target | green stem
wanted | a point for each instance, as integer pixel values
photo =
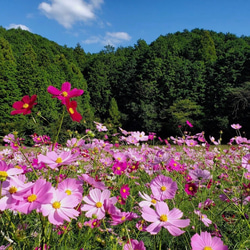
(59, 129)
(26, 158)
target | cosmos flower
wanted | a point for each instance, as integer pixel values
(203, 218)
(32, 197)
(65, 92)
(191, 188)
(124, 191)
(71, 108)
(189, 124)
(24, 106)
(163, 187)
(60, 208)
(54, 160)
(134, 244)
(206, 241)
(236, 126)
(95, 201)
(163, 217)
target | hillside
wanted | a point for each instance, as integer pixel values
(199, 75)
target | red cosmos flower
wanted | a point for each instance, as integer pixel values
(24, 106)
(65, 92)
(71, 107)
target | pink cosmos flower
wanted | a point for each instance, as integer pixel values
(134, 244)
(236, 126)
(206, 241)
(189, 124)
(54, 160)
(91, 181)
(95, 201)
(163, 217)
(124, 191)
(163, 187)
(246, 162)
(191, 143)
(72, 188)
(8, 171)
(61, 207)
(139, 136)
(199, 175)
(33, 196)
(120, 217)
(9, 188)
(65, 92)
(203, 218)
(100, 127)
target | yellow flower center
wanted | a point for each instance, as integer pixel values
(163, 188)
(123, 218)
(71, 111)
(68, 192)
(12, 190)
(59, 160)
(98, 204)
(248, 189)
(32, 198)
(190, 189)
(25, 105)
(56, 204)
(64, 94)
(124, 190)
(153, 201)
(17, 166)
(3, 175)
(118, 168)
(163, 218)
(207, 248)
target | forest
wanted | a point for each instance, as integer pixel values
(198, 75)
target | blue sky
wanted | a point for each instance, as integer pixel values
(96, 23)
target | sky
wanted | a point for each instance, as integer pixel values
(121, 23)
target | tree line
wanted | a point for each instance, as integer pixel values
(198, 75)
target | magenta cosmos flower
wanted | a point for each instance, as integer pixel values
(163, 217)
(163, 187)
(95, 201)
(24, 106)
(205, 241)
(60, 208)
(124, 191)
(65, 92)
(54, 160)
(191, 188)
(134, 244)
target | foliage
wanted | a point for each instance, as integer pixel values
(144, 80)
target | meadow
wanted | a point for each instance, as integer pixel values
(139, 192)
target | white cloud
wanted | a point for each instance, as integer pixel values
(67, 12)
(16, 26)
(111, 38)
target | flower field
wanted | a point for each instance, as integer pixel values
(186, 192)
